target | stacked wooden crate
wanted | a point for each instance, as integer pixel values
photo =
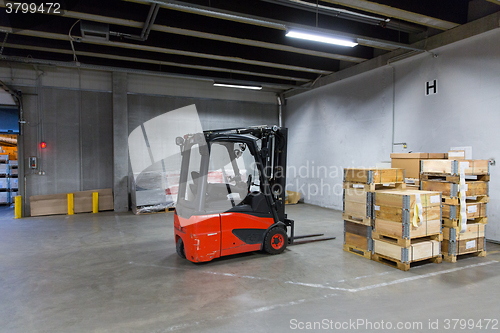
(359, 188)
(411, 163)
(407, 227)
(464, 221)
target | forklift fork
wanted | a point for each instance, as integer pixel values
(292, 238)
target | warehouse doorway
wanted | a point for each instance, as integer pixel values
(9, 163)
(9, 173)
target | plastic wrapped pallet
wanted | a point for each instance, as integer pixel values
(4, 198)
(5, 184)
(149, 192)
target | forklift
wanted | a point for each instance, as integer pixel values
(231, 196)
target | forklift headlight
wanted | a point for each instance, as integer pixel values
(179, 141)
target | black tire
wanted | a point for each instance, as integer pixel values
(179, 247)
(276, 241)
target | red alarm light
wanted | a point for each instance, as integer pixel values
(43, 145)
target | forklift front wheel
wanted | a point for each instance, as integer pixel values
(276, 241)
(179, 247)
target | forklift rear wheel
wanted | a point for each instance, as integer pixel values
(179, 247)
(276, 240)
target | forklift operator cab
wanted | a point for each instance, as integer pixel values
(231, 193)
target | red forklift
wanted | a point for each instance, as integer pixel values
(231, 196)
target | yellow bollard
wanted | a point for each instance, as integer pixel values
(95, 202)
(17, 209)
(70, 204)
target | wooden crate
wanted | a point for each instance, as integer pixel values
(374, 175)
(474, 230)
(450, 190)
(357, 204)
(456, 243)
(452, 167)
(358, 239)
(453, 250)
(394, 212)
(401, 257)
(412, 183)
(410, 162)
(456, 222)
(454, 179)
(474, 210)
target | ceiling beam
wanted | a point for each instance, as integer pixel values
(49, 35)
(204, 35)
(376, 8)
(150, 61)
(74, 65)
(258, 21)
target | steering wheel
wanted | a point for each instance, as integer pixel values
(249, 183)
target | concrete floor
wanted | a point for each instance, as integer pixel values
(120, 273)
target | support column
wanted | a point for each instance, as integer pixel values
(120, 142)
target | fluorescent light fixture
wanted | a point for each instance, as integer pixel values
(237, 86)
(320, 38)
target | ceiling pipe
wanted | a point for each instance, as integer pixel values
(349, 15)
(54, 63)
(146, 29)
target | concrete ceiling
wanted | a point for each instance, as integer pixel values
(225, 40)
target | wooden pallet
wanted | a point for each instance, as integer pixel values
(374, 175)
(456, 201)
(356, 219)
(357, 251)
(452, 179)
(454, 258)
(450, 190)
(404, 266)
(456, 222)
(375, 187)
(403, 242)
(166, 210)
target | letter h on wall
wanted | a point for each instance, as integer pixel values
(431, 87)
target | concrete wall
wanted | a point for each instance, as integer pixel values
(349, 123)
(72, 111)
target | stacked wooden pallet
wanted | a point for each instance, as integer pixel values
(407, 227)
(465, 188)
(359, 188)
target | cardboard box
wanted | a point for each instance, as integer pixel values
(293, 197)
(410, 162)
(56, 204)
(83, 201)
(52, 204)
(456, 155)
